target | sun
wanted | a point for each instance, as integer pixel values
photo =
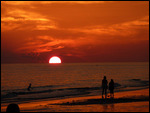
(54, 59)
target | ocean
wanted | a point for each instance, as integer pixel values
(55, 81)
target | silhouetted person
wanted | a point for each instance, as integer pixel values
(104, 87)
(111, 88)
(29, 87)
(13, 108)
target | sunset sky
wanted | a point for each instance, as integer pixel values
(76, 31)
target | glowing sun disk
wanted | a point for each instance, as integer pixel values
(54, 59)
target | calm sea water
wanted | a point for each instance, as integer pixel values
(70, 79)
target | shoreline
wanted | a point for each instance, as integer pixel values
(57, 105)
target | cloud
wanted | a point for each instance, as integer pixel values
(72, 28)
(51, 2)
(24, 20)
(41, 44)
(122, 29)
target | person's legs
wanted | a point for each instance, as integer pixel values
(105, 93)
(102, 92)
(112, 93)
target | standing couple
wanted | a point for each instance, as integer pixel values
(105, 87)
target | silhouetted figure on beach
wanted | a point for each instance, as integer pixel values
(111, 88)
(29, 87)
(104, 87)
(13, 108)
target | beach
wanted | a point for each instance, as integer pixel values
(75, 87)
(138, 101)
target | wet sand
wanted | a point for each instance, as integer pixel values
(127, 101)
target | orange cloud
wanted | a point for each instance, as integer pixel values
(52, 2)
(73, 28)
(24, 20)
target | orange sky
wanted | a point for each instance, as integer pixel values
(76, 31)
